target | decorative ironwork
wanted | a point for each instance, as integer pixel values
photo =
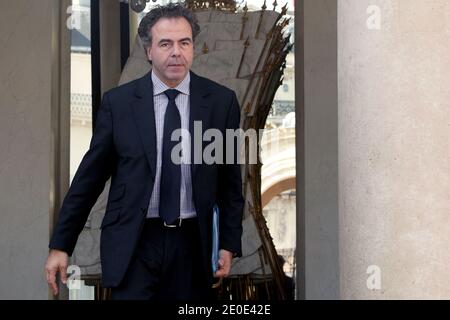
(263, 9)
(244, 20)
(205, 48)
(224, 5)
(138, 5)
(246, 44)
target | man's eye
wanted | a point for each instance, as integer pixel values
(164, 45)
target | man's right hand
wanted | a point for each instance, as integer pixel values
(57, 261)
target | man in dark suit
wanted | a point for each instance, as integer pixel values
(156, 237)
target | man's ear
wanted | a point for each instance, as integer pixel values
(149, 53)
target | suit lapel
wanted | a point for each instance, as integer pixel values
(199, 111)
(144, 116)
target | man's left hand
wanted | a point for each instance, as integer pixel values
(224, 267)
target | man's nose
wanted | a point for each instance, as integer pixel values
(176, 50)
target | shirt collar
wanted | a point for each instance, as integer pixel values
(159, 86)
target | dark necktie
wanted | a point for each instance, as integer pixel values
(169, 199)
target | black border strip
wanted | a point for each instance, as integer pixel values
(124, 34)
(95, 59)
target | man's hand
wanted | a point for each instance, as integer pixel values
(57, 261)
(224, 264)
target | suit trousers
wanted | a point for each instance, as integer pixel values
(166, 265)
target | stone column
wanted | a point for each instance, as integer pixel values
(34, 128)
(394, 149)
(317, 153)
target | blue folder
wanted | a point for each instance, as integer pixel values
(215, 239)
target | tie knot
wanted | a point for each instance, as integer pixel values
(171, 94)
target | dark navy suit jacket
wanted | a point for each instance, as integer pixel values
(123, 147)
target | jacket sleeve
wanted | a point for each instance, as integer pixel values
(89, 181)
(229, 197)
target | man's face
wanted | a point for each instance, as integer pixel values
(171, 50)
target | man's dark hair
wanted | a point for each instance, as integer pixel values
(171, 10)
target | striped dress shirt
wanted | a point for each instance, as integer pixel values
(160, 100)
